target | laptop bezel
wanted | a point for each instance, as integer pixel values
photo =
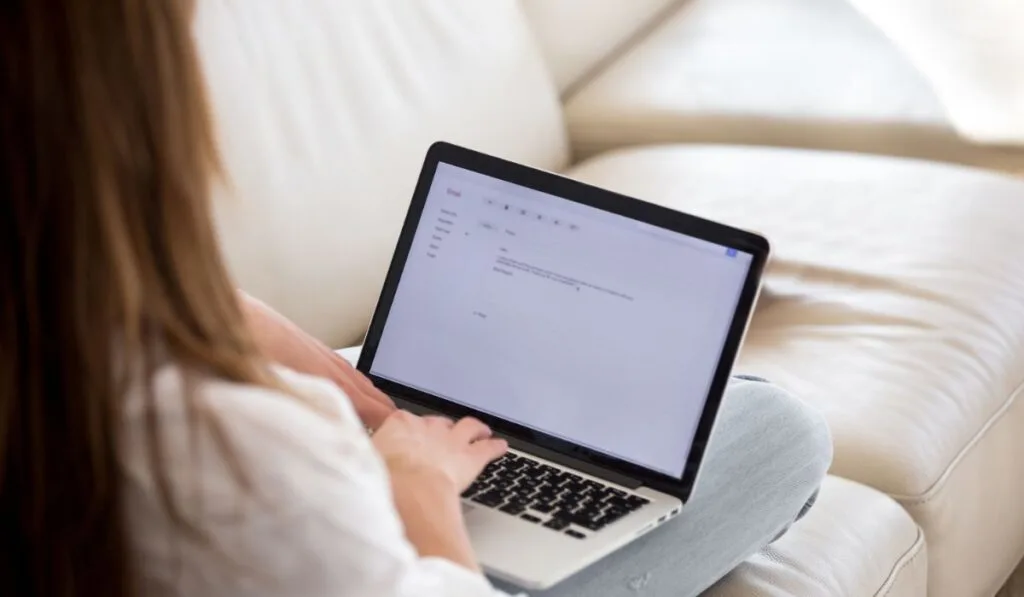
(554, 448)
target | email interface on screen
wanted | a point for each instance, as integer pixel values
(586, 325)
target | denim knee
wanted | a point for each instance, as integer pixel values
(801, 441)
(798, 429)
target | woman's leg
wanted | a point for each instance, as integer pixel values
(766, 458)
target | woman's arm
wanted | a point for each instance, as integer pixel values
(431, 461)
(285, 343)
(431, 511)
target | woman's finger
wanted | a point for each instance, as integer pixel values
(488, 450)
(372, 413)
(364, 382)
(358, 379)
(438, 421)
(372, 407)
(470, 430)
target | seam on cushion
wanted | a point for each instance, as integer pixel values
(940, 483)
(901, 564)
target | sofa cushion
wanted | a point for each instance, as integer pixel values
(325, 109)
(895, 304)
(790, 73)
(854, 542)
(578, 35)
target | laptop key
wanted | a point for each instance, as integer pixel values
(590, 525)
(586, 517)
(490, 499)
(613, 514)
(530, 518)
(513, 508)
(585, 512)
(621, 504)
(518, 465)
(563, 513)
(542, 508)
(635, 502)
(575, 534)
(547, 500)
(618, 502)
(468, 495)
(557, 524)
(529, 497)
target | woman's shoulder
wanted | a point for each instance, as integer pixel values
(301, 399)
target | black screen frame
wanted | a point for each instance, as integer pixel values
(755, 245)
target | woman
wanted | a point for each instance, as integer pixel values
(147, 444)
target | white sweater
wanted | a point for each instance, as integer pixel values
(321, 521)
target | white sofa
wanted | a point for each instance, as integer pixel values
(895, 303)
(789, 73)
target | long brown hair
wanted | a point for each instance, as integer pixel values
(106, 248)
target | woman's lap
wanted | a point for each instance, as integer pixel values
(766, 458)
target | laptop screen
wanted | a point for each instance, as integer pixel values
(583, 324)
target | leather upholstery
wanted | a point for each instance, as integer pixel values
(854, 542)
(790, 73)
(325, 109)
(577, 36)
(893, 304)
(1015, 586)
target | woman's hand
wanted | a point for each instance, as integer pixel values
(431, 461)
(284, 342)
(435, 447)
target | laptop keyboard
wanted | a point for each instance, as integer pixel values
(551, 497)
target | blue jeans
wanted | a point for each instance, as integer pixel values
(767, 456)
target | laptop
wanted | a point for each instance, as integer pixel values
(594, 331)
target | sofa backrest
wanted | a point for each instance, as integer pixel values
(577, 36)
(324, 109)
